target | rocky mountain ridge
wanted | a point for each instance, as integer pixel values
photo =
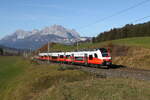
(36, 38)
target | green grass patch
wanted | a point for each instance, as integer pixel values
(136, 42)
(10, 68)
(143, 42)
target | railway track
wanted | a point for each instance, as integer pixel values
(120, 72)
(115, 71)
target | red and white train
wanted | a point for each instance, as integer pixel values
(99, 57)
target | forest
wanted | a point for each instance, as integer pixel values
(129, 30)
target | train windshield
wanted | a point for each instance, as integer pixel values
(104, 52)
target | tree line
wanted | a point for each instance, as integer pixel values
(129, 30)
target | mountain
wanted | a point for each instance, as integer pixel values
(34, 39)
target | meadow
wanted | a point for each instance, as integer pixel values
(21, 79)
(143, 42)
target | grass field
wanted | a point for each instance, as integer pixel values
(21, 80)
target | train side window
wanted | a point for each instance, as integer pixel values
(95, 55)
(90, 57)
(67, 56)
(79, 58)
(54, 57)
(61, 56)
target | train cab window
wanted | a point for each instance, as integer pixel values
(105, 54)
(90, 57)
(96, 56)
(61, 56)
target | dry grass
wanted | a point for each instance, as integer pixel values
(134, 57)
(98, 89)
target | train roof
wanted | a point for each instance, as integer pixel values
(75, 52)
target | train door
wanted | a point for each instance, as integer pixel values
(90, 58)
(72, 58)
(86, 58)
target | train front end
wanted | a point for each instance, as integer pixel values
(106, 57)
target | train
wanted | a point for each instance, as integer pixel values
(99, 57)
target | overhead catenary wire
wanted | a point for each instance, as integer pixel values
(116, 14)
(140, 19)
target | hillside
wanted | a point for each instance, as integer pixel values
(23, 80)
(131, 52)
(142, 42)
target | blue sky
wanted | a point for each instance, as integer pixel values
(80, 15)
